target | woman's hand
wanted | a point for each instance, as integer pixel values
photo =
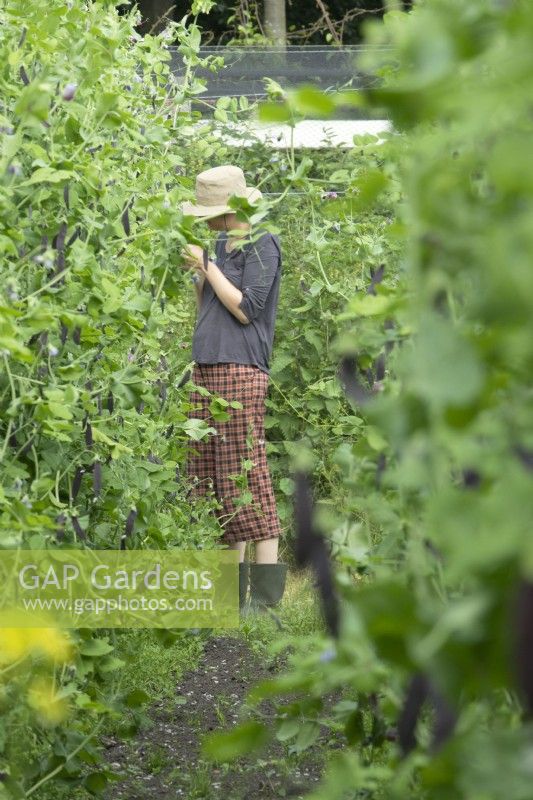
(194, 257)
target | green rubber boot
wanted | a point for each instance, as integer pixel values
(267, 585)
(244, 577)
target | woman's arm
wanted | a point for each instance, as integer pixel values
(227, 293)
(260, 270)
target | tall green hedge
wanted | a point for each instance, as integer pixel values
(94, 323)
(93, 425)
(434, 641)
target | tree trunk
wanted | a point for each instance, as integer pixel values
(275, 21)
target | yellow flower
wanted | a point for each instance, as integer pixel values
(13, 645)
(51, 642)
(16, 643)
(43, 698)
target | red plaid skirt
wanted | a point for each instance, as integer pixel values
(233, 461)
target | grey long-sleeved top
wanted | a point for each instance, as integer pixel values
(219, 337)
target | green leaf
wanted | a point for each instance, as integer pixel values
(368, 305)
(96, 648)
(48, 175)
(315, 339)
(96, 782)
(197, 429)
(354, 728)
(281, 362)
(202, 6)
(59, 411)
(110, 664)
(16, 348)
(286, 485)
(310, 100)
(106, 102)
(274, 112)
(236, 743)
(217, 408)
(375, 439)
(302, 169)
(220, 114)
(103, 438)
(443, 366)
(136, 698)
(307, 735)
(288, 729)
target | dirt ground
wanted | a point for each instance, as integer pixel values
(163, 761)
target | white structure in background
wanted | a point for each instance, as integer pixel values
(308, 133)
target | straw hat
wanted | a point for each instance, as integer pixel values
(214, 187)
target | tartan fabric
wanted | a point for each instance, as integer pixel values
(211, 462)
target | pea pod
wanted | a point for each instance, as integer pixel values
(128, 530)
(525, 455)
(523, 643)
(380, 469)
(380, 367)
(77, 527)
(376, 276)
(88, 434)
(415, 698)
(27, 447)
(74, 236)
(187, 375)
(311, 549)
(419, 692)
(354, 389)
(126, 220)
(76, 483)
(59, 244)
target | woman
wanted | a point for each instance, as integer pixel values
(232, 343)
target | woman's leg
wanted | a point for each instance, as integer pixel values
(241, 547)
(266, 551)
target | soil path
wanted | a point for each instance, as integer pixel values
(164, 762)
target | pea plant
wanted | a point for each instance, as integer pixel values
(428, 598)
(93, 420)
